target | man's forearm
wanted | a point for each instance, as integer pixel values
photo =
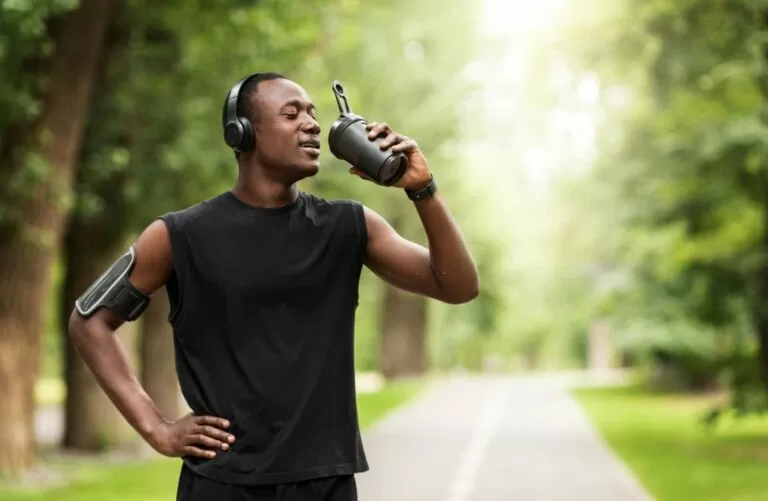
(102, 351)
(452, 264)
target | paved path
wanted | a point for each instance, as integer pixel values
(493, 439)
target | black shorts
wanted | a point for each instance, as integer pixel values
(193, 487)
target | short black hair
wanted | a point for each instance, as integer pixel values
(245, 103)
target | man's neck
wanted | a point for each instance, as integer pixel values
(258, 190)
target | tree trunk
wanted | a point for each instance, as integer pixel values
(92, 243)
(600, 346)
(403, 334)
(92, 422)
(760, 313)
(158, 368)
(30, 242)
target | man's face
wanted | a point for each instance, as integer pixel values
(287, 133)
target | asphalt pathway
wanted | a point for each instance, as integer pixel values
(494, 439)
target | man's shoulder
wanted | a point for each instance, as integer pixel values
(332, 203)
(348, 210)
(186, 215)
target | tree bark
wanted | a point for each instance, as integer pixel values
(403, 334)
(30, 242)
(158, 368)
(92, 243)
(760, 313)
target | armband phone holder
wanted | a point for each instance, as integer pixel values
(113, 291)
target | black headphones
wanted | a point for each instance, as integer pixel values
(238, 131)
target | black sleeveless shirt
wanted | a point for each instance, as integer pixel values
(263, 306)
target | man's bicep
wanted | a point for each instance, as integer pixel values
(385, 246)
(123, 290)
(153, 258)
(397, 260)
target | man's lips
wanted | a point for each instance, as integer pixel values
(312, 143)
(312, 147)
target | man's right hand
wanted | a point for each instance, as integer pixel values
(188, 436)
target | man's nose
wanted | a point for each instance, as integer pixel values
(312, 126)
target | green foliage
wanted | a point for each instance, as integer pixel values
(748, 398)
(681, 169)
(658, 224)
(157, 125)
(24, 45)
(23, 39)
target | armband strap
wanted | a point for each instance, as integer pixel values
(113, 290)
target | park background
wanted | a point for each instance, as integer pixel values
(607, 162)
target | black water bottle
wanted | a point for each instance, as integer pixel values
(348, 140)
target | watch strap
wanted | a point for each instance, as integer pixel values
(424, 192)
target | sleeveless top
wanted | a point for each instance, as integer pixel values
(263, 304)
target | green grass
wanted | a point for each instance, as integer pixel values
(374, 406)
(151, 480)
(661, 439)
(155, 480)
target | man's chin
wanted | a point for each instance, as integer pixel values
(305, 170)
(310, 169)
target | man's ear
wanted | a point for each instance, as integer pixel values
(255, 130)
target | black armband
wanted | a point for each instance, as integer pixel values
(113, 291)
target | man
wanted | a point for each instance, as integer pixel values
(263, 286)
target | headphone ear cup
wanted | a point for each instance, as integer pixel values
(233, 134)
(247, 138)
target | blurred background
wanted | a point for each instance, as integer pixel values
(606, 161)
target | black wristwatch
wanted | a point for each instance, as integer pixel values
(423, 193)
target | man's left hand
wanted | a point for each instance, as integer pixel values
(417, 175)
